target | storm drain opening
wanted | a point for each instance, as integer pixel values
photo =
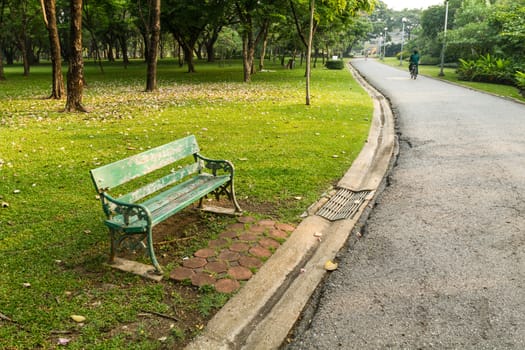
(344, 204)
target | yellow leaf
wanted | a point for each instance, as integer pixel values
(78, 318)
(330, 266)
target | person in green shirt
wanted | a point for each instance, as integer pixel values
(414, 61)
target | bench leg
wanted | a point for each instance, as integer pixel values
(113, 245)
(228, 191)
(151, 252)
(115, 242)
(234, 199)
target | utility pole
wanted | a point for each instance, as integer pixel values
(441, 74)
(404, 20)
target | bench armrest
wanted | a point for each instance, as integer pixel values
(216, 164)
(113, 207)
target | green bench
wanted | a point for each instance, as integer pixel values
(185, 178)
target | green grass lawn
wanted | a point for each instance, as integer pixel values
(451, 76)
(53, 244)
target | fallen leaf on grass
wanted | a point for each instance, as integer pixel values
(63, 341)
(78, 318)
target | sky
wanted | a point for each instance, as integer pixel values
(411, 4)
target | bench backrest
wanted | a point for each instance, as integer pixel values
(125, 170)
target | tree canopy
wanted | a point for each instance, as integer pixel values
(148, 29)
(118, 29)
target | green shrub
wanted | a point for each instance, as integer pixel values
(486, 69)
(466, 70)
(406, 55)
(520, 82)
(429, 60)
(335, 64)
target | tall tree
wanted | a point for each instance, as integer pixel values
(191, 20)
(254, 18)
(222, 14)
(75, 74)
(471, 34)
(324, 12)
(49, 13)
(432, 25)
(108, 23)
(186, 21)
(154, 39)
(22, 16)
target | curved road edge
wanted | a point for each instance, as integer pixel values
(264, 311)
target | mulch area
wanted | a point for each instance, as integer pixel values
(234, 256)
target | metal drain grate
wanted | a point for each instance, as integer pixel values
(343, 205)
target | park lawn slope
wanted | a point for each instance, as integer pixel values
(53, 242)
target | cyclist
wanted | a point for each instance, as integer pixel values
(414, 62)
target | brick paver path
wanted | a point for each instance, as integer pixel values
(235, 256)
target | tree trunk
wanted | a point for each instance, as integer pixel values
(2, 75)
(57, 89)
(146, 43)
(124, 47)
(75, 74)
(162, 45)
(151, 83)
(210, 52)
(188, 57)
(9, 53)
(111, 55)
(264, 45)
(210, 44)
(22, 45)
(198, 50)
(247, 55)
(180, 56)
(248, 41)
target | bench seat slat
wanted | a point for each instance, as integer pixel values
(197, 191)
(172, 201)
(161, 183)
(203, 182)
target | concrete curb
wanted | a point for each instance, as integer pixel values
(261, 315)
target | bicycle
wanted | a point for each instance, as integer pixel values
(413, 71)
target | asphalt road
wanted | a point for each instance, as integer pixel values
(441, 264)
